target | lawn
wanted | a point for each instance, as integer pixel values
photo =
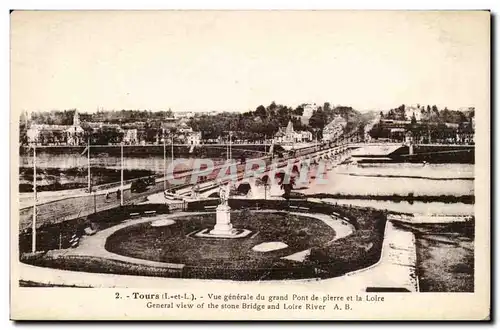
(234, 258)
(171, 243)
(353, 252)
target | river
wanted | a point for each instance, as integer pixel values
(65, 161)
(445, 251)
(400, 179)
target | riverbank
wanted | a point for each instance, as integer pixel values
(179, 150)
(445, 255)
(57, 179)
(465, 199)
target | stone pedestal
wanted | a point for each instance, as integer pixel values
(223, 228)
(223, 224)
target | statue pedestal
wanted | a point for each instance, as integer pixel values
(223, 227)
(223, 224)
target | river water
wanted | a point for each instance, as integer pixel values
(65, 161)
(435, 208)
(400, 179)
(445, 251)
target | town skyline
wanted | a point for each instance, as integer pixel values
(225, 61)
(318, 104)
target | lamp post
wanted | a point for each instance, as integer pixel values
(164, 162)
(88, 166)
(33, 228)
(230, 149)
(121, 174)
(172, 154)
(228, 145)
(172, 141)
(95, 206)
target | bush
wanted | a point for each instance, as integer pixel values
(138, 186)
(359, 250)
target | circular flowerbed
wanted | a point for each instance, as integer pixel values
(173, 244)
(282, 244)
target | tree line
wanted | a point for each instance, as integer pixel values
(262, 123)
(265, 121)
(430, 114)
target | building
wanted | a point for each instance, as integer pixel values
(288, 135)
(334, 129)
(183, 114)
(409, 137)
(279, 136)
(130, 136)
(305, 136)
(308, 111)
(56, 134)
(169, 123)
(137, 125)
(369, 127)
(97, 126)
(411, 111)
(465, 133)
(193, 138)
(184, 128)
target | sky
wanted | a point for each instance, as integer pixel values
(235, 61)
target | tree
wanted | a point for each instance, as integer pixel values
(283, 115)
(378, 131)
(261, 112)
(299, 111)
(401, 115)
(23, 137)
(318, 119)
(361, 131)
(413, 119)
(286, 186)
(446, 115)
(326, 107)
(272, 107)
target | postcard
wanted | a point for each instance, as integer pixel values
(250, 165)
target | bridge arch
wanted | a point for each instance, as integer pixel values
(243, 188)
(215, 194)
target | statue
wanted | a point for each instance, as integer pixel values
(223, 194)
(195, 191)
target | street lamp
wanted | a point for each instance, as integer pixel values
(33, 228)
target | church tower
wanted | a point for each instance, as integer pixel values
(76, 119)
(289, 128)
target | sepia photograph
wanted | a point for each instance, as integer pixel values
(250, 164)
